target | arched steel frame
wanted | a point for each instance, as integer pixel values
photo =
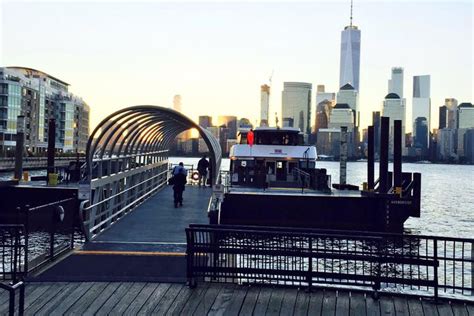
(127, 161)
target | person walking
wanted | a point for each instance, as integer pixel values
(179, 181)
(202, 167)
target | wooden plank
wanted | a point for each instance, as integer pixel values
(208, 299)
(289, 302)
(127, 299)
(357, 304)
(459, 309)
(470, 309)
(223, 299)
(302, 303)
(429, 308)
(249, 302)
(45, 298)
(401, 306)
(275, 303)
(316, 298)
(262, 301)
(444, 309)
(342, 303)
(237, 300)
(114, 298)
(414, 306)
(81, 305)
(32, 292)
(57, 299)
(99, 300)
(168, 298)
(386, 306)
(72, 298)
(154, 299)
(181, 299)
(194, 299)
(141, 298)
(329, 303)
(372, 306)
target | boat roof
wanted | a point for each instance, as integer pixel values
(278, 129)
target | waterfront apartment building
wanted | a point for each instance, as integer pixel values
(350, 56)
(264, 104)
(38, 97)
(395, 109)
(296, 106)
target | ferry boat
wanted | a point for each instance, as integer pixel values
(274, 180)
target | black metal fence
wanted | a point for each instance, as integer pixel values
(411, 264)
(13, 250)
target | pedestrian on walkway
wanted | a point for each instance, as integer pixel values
(202, 167)
(179, 181)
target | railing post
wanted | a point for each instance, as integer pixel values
(190, 258)
(26, 210)
(51, 235)
(21, 303)
(11, 304)
(435, 257)
(310, 265)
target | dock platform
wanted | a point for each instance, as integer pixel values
(141, 298)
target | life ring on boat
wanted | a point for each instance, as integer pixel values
(195, 175)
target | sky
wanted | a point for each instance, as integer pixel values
(217, 54)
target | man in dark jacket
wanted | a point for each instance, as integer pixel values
(203, 165)
(178, 186)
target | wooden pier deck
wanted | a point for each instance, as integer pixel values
(141, 298)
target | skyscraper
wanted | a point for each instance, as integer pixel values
(177, 105)
(350, 55)
(296, 105)
(324, 104)
(394, 108)
(443, 117)
(264, 104)
(395, 84)
(347, 94)
(452, 108)
(205, 121)
(421, 106)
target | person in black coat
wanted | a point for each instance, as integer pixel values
(178, 188)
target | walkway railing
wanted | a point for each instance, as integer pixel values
(411, 264)
(13, 258)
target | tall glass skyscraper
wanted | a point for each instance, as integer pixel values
(296, 105)
(350, 56)
(421, 106)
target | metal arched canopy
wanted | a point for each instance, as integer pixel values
(142, 129)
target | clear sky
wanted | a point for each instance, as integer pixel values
(217, 54)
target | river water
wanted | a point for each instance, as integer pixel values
(447, 194)
(447, 200)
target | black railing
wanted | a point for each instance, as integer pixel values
(50, 231)
(411, 264)
(13, 252)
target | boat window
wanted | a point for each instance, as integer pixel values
(270, 167)
(277, 138)
(291, 165)
(307, 164)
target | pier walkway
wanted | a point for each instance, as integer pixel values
(140, 298)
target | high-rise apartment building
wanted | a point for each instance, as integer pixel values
(296, 105)
(421, 105)
(264, 104)
(350, 56)
(395, 109)
(465, 115)
(39, 97)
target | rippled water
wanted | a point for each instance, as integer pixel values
(447, 194)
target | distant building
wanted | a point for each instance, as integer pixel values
(244, 123)
(230, 122)
(452, 108)
(348, 95)
(205, 121)
(421, 105)
(395, 83)
(469, 145)
(324, 104)
(394, 108)
(376, 125)
(264, 105)
(443, 117)
(422, 136)
(465, 115)
(40, 97)
(329, 142)
(343, 115)
(350, 56)
(296, 105)
(446, 144)
(177, 103)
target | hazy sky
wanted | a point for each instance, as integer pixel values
(217, 54)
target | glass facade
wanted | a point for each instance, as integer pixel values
(14, 107)
(41, 114)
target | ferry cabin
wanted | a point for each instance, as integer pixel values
(277, 158)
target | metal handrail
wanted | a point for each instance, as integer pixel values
(303, 177)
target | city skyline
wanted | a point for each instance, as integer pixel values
(222, 75)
